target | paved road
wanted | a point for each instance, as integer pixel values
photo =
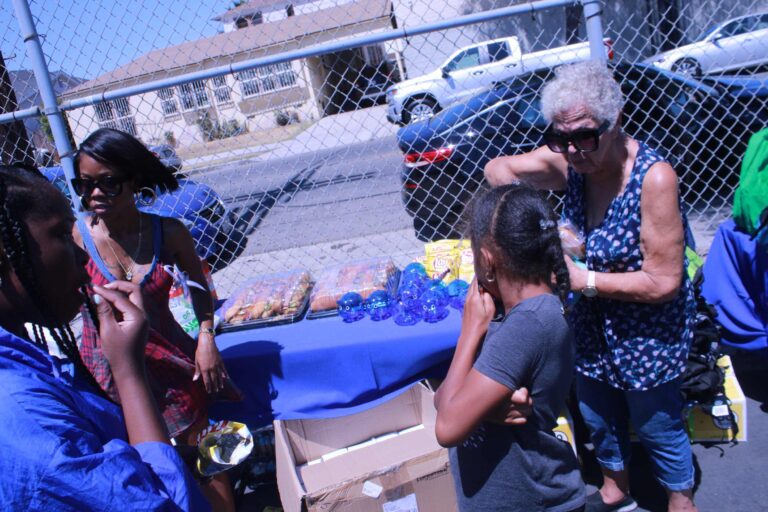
(314, 197)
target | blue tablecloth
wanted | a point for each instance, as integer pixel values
(736, 282)
(325, 367)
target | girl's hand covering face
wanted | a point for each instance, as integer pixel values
(479, 309)
(122, 324)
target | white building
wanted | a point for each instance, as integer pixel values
(307, 88)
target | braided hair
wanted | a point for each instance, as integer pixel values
(24, 195)
(522, 228)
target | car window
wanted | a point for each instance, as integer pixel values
(466, 59)
(498, 50)
(762, 23)
(737, 27)
(528, 108)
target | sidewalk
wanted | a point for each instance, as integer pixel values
(328, 133)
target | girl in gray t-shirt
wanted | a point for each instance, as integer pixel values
(497, 466)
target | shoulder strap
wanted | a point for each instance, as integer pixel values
(93, 251)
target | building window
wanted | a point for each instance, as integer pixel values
(241, 22)
(194, 95)
(266, 79)
(116, 114)
(168, 101)
(257, 18)
(289, 11)
(221, 90)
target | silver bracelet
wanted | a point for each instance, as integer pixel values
(208, 330)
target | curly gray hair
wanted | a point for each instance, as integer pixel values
(587, 84)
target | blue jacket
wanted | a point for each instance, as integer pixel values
(65, 448)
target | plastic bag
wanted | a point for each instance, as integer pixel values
(363, 277)
(571, 240)
(222, 446)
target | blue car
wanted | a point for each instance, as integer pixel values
(212, 225)
(701, 128)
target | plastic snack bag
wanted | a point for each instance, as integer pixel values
(466, 260)
(442, 255)
(180, 303)
(222, 446)
(571, 240)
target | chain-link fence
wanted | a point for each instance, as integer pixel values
(315, 132)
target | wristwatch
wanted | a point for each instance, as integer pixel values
(590, 290)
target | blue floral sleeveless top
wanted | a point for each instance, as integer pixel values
(628, 345)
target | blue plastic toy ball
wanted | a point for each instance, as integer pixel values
(351, 307)
(457, 293)
(434, 305)
(378, 305)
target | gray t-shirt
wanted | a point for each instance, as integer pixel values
(524, 467)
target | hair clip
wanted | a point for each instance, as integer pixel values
(546, 224)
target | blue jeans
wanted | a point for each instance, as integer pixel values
(655, 416)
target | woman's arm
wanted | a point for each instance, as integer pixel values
(662, 243)
(541, 168)
(466, 396)
(207, 358)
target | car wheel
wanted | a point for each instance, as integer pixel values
(418, 109)
(687, 67)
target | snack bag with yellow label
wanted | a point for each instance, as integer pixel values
(466, 260)
(442, 255)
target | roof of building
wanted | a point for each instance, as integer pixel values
(248, 8)
(243, 44)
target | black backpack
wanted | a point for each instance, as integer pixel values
(703, 382)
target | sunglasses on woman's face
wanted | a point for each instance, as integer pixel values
(584, 140)
(111, 186)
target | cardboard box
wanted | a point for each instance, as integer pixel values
(384, 459)
(700, 425)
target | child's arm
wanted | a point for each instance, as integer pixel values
(467, 396)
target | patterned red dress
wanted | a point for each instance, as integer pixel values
(170, 351)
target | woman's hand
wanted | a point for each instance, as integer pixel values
(514, 411)
(122, 325)
(479, 310)
(208, 364)
(577, 275)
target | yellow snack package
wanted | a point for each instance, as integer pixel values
(466, 260)
(442, 255)
(222, 446)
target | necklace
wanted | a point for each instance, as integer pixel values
(127, 271)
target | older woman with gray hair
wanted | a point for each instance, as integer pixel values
(634, 320)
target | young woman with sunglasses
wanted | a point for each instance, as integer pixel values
(634, 320)
(65, 446)
(114, 171)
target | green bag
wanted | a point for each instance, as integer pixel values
(751, 196)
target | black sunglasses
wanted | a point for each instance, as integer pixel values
(111, 186)
(584, 140)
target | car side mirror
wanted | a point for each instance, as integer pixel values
(445, 73)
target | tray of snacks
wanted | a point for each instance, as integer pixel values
(363, 277)
(267, 300)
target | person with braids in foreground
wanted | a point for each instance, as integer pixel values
(495, 466)
(64, 445)
(634, 320)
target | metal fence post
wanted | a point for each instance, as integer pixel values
(593, 11)
(47, 93)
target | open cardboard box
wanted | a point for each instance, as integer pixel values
(383, 459)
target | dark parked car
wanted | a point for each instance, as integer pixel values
(167, 155)
(199, 207)
(701, 128)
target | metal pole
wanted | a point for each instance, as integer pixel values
(48, 95)
(593, 11)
